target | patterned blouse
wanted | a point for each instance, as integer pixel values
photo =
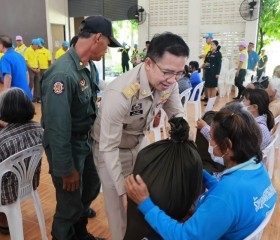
(14, 138)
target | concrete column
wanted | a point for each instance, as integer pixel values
(194, 29)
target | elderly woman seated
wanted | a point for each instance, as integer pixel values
(255, 101)
(19, 133)
(234, 206)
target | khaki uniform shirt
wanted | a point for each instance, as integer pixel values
(127, 108)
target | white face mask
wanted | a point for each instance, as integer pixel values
(216, 159)
(245, 107)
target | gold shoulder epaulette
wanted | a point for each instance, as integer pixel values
(131, 90)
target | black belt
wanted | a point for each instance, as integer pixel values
(81, 135)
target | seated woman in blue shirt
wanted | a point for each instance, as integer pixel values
(234, 206)
(195, 77)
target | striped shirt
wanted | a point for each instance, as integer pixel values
(14, 138)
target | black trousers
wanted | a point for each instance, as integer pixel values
(70, 217)
(238, 81)
(125, 65)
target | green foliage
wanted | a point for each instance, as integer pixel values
(269, 22)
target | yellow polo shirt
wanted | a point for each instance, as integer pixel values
(59, 53)
(206, 49)
(31, 57)
(1, 55)
(21, 49)
(245, 61)
(44, 56)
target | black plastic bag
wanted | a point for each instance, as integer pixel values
(172, 170)
(202, 146)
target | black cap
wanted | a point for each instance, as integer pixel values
(100, 24)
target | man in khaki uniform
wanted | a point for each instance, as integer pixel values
(128, 106)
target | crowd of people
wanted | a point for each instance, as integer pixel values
(88, 146)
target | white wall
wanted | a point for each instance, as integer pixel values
(57, 13)
(194, 18)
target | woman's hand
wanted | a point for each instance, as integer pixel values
(200, 124)
(136, 188)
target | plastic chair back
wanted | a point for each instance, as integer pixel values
(185, 94)
(257, 234)
(24, 173)
(198, 88)
(196, 103)
(210, 104)
(269, 155)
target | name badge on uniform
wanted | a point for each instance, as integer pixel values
(136, 109)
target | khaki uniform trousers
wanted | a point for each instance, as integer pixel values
(115, 212)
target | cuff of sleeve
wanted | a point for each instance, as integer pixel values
(120, 186)
(146, 205)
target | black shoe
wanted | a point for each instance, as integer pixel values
(4, 230)
(91, 237)
(91, 213)
(217, 94)
(38, 100)
(236, 98)
(34, 100)
(204, 99)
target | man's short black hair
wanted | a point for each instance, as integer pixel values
(167, 42)
(15, 106)
(6, 41)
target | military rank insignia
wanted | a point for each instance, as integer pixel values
(83, 84)
(136, 109)
(58, 87)
(131, 90)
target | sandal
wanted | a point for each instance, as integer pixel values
(4, 230)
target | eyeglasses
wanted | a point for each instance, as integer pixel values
(168, 74)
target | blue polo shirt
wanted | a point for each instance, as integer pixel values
(13, 63)
(253, 58)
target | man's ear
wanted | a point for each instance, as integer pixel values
(148, 63)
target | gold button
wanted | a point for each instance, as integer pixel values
(144, 93)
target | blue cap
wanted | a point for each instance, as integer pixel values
(209, 35)
(36, 41)
(124, 44)
(41, 40)
(135, 45)
(65, 44)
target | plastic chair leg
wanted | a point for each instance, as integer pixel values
(40, 215)
(14, 217)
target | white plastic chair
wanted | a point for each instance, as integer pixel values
(230, 81)
(210, 104)
(157, 130)
(16, 165)
(257, 234)
(197, 103)
(184, 96)
(222, 77)
(269, 155)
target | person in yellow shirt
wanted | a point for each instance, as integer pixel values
(44, 57)
(21, 47)
(208, 38)
(1, 55)
(31, 58)
(64, 48)
(241, 69)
